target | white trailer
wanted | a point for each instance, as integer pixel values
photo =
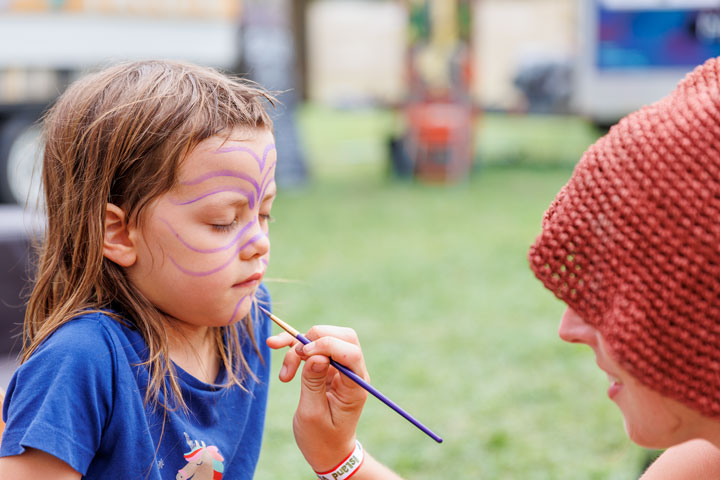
(633, 52)
(46, 44)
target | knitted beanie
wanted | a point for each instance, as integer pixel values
(632, 241)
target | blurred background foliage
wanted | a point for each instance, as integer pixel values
(419, 143)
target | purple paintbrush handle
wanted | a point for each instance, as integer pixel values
(359, 380)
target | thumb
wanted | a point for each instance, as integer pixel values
(314, 376)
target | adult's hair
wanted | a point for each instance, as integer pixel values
(119, 136)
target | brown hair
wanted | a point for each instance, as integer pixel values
(119, 136)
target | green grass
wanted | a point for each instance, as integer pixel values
(453, 324)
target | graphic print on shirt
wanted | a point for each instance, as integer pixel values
(203, 462)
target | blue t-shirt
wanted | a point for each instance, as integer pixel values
(80, 397)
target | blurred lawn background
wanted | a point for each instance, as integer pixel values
(454, 326)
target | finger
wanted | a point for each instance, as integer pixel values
(315, 375)
(317, 390)
(348, 354)
(290, 366)
(281, 340)
(343, 333)
(291, 361)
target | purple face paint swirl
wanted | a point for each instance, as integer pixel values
(237, 306)
(259, 189)
(265, 184)
(194, 273)
(247, 194)
(254, 197)
(232, 242)
(223, 173)
(261, 162)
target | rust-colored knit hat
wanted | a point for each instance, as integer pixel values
(632, 241)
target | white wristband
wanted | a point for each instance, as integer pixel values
(347, 467)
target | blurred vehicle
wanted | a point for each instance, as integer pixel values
(546, 83)
(45, 45)
(18, 228)
(633, 52)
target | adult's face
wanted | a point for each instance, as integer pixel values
(651, 419)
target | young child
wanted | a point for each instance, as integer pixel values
(632, 245)
(145, 355)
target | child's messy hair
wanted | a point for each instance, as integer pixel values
(119, 136)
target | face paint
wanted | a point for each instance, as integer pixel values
(249, 195)
(212, 235)
(232, 242)
(260, 190)
(261, 162)
(264, 183)
(252, 240)
(237, 306)
(223, 173)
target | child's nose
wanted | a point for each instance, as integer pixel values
(257, 245)
(574, 329)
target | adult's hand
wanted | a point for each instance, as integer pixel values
(330, 403)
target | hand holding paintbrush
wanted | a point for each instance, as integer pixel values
(352, 376)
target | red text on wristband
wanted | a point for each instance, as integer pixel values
(347, 467)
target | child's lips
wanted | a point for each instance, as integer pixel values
(250, 281)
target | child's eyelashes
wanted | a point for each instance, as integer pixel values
(225, 227)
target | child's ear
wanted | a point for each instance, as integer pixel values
(118, 245)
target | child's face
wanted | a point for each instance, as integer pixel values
(204, 247)
(651, 419)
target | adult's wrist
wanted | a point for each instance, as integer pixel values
(347, 467)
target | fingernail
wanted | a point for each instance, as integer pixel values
(308, 349)
(283, 371)
(299, 349)
(319, 367)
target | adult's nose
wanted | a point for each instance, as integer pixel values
(574, 329)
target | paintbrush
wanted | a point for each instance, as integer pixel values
(357, 379)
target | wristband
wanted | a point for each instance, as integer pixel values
(347, 467)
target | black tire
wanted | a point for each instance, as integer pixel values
(11, 175)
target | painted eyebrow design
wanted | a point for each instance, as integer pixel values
(235, 173)
(261, 195)
(223, 173)
(261, 162)
(247, 194)
(252, 197)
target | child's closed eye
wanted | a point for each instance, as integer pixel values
(225, 227)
